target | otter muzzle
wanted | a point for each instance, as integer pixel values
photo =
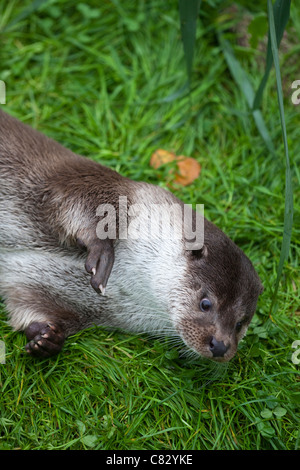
(218, 348)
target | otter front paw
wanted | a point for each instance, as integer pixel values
(99, 263)
(45, 339)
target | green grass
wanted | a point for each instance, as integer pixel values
(101, 80)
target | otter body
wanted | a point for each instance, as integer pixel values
(55, 270)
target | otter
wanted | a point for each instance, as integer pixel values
(58, 276)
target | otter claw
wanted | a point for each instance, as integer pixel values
(45, 339)
(99, 263)
(102, 289)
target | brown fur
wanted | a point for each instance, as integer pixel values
(48, 202)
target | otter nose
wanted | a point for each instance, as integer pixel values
(218, 348)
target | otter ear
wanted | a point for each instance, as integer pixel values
(199, 253)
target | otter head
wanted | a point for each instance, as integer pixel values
(219, 297)
(206, 295)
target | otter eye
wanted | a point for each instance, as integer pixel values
(205, 305)
(238, 326)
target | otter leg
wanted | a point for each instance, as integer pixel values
(51, 325)
(46, 319)
(99, 261)
(45, 339)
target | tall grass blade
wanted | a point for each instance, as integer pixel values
(281, 11)
(188, 12)
(34, 6)
(245, 86)
(288, 211)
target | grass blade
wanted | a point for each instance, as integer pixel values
(245, 86)
(34, 6)
(188, 12)
(281, 11)
(288, 212)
